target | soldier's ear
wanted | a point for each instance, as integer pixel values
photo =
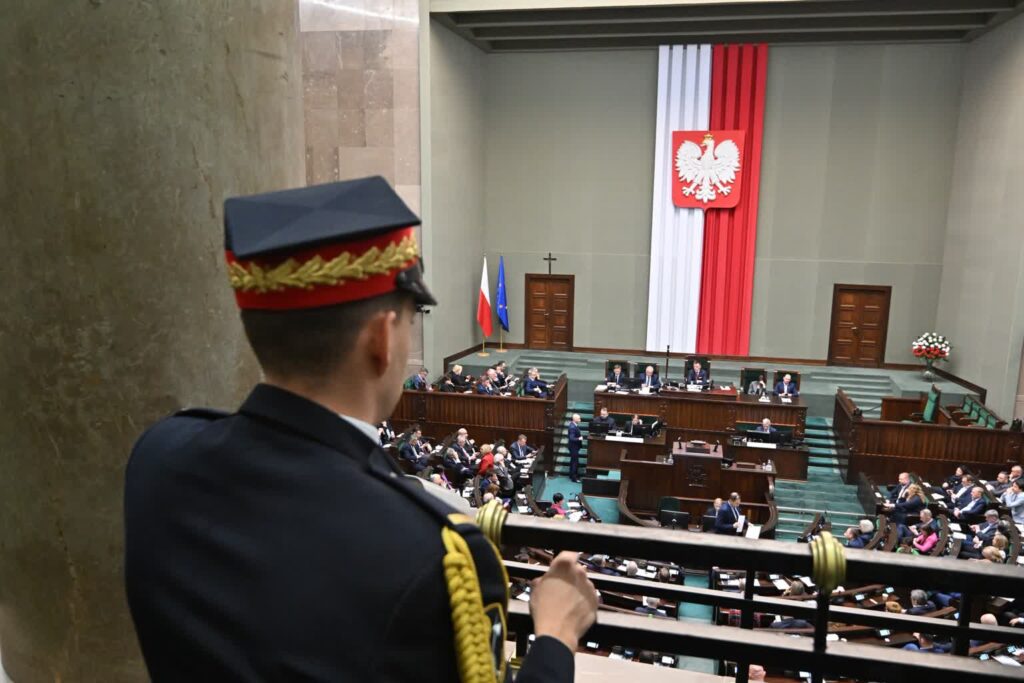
(378, 338)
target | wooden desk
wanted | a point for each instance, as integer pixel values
(488, 418)
(604, 452)
(707, 415)
(790, 462)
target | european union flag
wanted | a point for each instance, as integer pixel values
(502, 298)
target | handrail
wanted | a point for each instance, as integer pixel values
(627, 514)
(582, 498)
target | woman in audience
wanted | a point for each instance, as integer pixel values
(556, 505)
(954, 481)
(925, 539)
(1013, 499)
(1001, 543)
(911, 505)
(990, 554)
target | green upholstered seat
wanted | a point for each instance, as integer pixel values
(748, 375)
(779, 374)
(611, 363)
(705, 364)
(669, 503)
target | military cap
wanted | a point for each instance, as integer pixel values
(322, 245)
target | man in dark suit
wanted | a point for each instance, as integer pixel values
(786, 387)
(919, 603)
(603, 418)
(616, 376)
(974, 506)
(766, 427)
(500, 378)
(981, 535)
(413, 451)
(650, 379)
(575, 443)
(697, 374)
(899, 492)
(464, 450)
(240, 527)
(419, 380)
(728, 520)
(483, 386)
(520, 450)
(534, 385)
(961, 495)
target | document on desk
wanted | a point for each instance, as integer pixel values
(937, 496)
(781, 584)
(761, 444)
(601, 387)
(625, 439)
(1007, 660)
(754, 531)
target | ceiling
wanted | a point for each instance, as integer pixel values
(772, 21)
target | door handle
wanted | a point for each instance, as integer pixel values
(854, 329)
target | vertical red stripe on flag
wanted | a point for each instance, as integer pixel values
(738, 77)
(483, 304)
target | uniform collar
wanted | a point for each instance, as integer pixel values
(294, 413)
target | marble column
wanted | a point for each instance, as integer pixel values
(123, 126)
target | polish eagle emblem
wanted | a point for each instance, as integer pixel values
(706, 173)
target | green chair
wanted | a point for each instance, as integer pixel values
(705, 363)
(669, 503)
(748, 375)
(610, 364)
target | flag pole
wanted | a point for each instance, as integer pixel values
(483, 349)
(501, 340)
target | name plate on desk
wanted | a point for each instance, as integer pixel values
(695, 387)
(785, 399)
(764, 399)
(760, 444)
(624, 439)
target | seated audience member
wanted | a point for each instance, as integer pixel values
(975, 506)
(454, 462)
(484, 386)
(728, 519)
(756, 673)
(505, 480)
(664, 575)
(953, 481)
(926, 538)
(534, 385)
(616, 376)
(650, 379)
(861, 534)
(414, 451)
(631, 569)
(899, 491)
(486, 460)
(520, 450)
(786, 387)
(893, 606)
(603, 418)
(464, 450)
(992, 554)
(446, 385)
(635, 424)
(500, 378)
(927, 520)
(487, 498)
(489, 484)
(925, 643)
(556, 507)
(712, 510)
(460, 380)
(385, 433)
(986, 619)
(796, 588)
(697, 374)
(758, 387)
(959, 495)
(999, 486)
(1013, 499)
(441, 480)
(419, 380)
(919, 603)
(911, 505)
(599, 564)
(650, 607)
(981, 535)
(789, 622)
(766, 427)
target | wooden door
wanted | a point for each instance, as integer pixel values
(549, 306)
(860, 321)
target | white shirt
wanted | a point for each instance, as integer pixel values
(365, 427)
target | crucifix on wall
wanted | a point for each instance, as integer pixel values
(549, 258)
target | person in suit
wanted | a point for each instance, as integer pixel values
(505, 480)
(412, 451)
(953, 480)
(766, 427)
(927, 520)
(419, 380)
(575, 443)
(650, 607)
(899, 492)
(919, 603)
(697, 374)
(500, 378)
(520, 449)
(616, 376)
(446, 385)
(464, 451)
(974, 506)
(859, 536)
(453, 462)
(713, 509)
(460, 380)
(789, 622)
(925, 643)
(603, 418)
(1013, 499)
(960, 495)
(385, 432)
(534, 385)
(758, 387)
(999, 486)
(728, 519)
(635, 425)
(981, 535)
(911, 505)
(262, 508)
(485, 388)
(786, 387)
(650, 379)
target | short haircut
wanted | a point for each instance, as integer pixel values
(734, 496)
(557, 498)
(866, 526)
(522, 437)
(918, 597)
(312, 343)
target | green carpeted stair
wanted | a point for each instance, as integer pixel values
(824, 490)
(866, 390)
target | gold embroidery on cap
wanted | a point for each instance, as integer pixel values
(316, 271)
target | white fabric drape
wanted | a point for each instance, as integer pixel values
(677, 235)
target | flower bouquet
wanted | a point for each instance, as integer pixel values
(930, 347)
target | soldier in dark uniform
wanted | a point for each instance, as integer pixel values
(279, 542)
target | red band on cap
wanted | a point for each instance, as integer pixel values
(324, 276)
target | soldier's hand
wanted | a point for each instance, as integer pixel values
(563, 602)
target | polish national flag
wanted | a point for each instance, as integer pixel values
(483, 306)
